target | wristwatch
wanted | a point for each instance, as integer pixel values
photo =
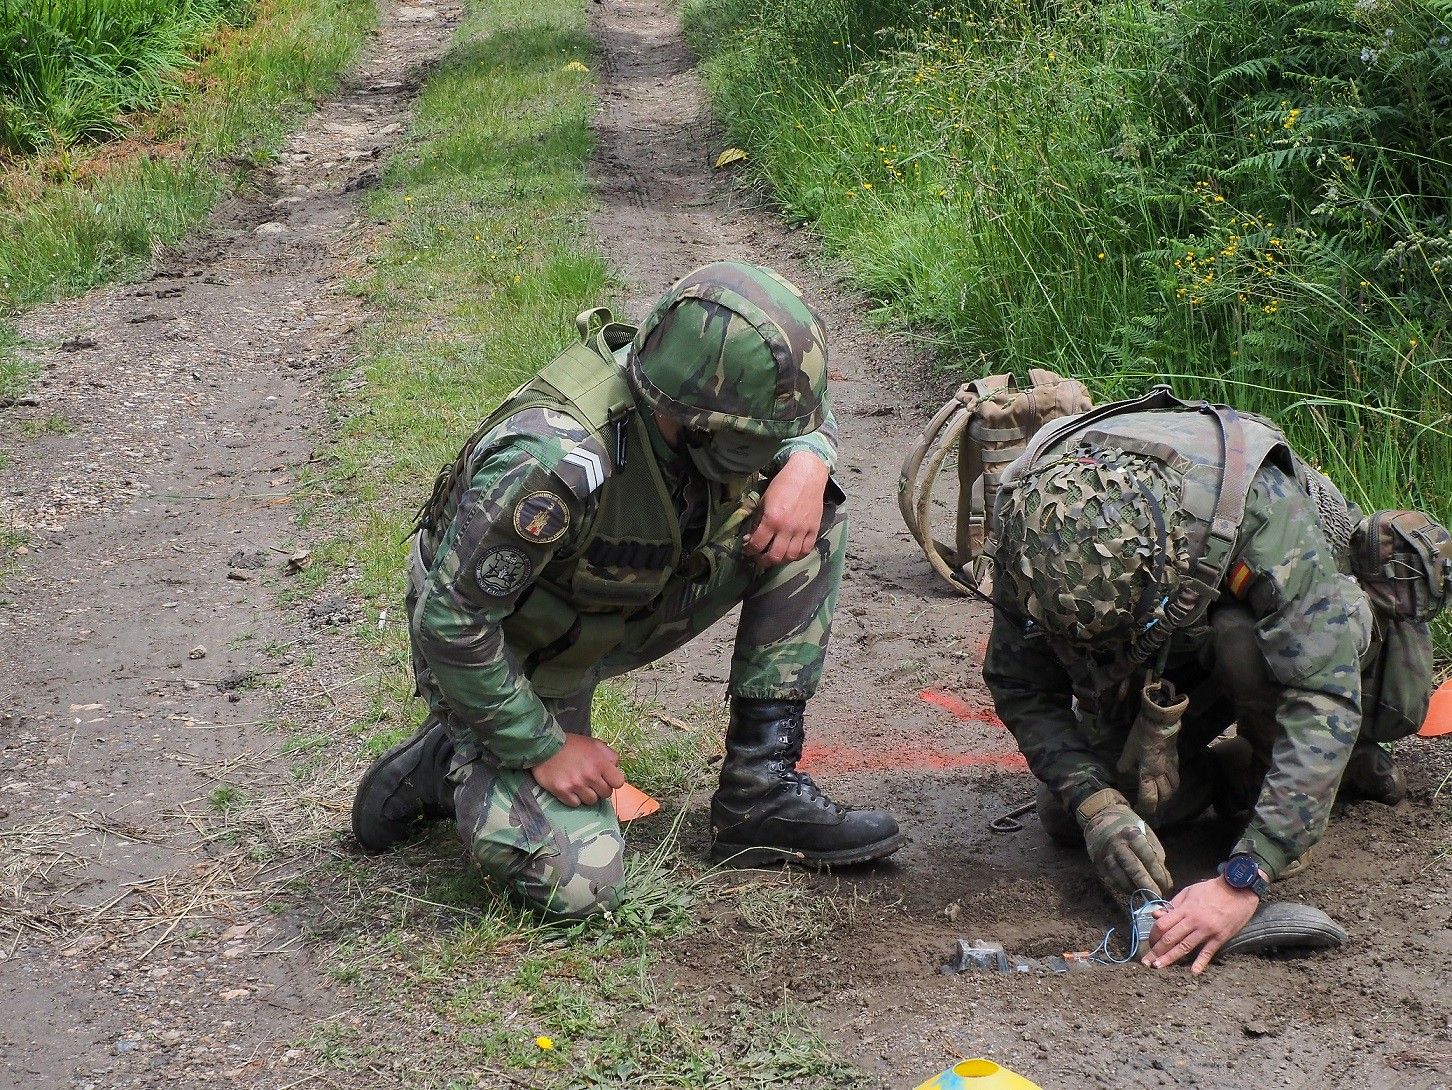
(1243, 872)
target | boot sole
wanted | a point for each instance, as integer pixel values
(758, 855)
(374, 771)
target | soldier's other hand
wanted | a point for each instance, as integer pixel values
(1206, 915)
(790, 517)
(1126, 853)
(581, 773)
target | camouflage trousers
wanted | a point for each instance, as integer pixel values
(569, 861)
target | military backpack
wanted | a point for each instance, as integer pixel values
(987, 424)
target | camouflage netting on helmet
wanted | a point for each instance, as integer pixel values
(733, 346)
(1093, 545)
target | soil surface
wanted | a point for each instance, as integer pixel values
(902, 720)
(163, 624)
(144, 659)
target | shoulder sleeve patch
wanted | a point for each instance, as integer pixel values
(502, 570)
(1238, 580)
(541, 517)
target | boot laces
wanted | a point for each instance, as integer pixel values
(801, 782)
(805, 786)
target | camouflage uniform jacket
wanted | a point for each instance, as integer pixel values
(505, 543)
(1312, 626)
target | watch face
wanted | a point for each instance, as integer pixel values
(1242, 871)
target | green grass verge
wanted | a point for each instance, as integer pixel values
(477, 278)
(1249, 199)
(69, 69)
(75, 219)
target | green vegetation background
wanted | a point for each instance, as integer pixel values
(1245, 198)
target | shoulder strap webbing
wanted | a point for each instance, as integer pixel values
(1211, 544)
(1159, 397)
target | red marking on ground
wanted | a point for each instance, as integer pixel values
(959, 708)
(829, 758)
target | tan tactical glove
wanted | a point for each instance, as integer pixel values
(1151, 757)
(1125, 851)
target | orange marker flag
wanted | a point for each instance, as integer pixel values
(631, 802)
(1439, 713)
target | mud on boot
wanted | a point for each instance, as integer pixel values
(405, 790)
(765, 811)
(1372, 774)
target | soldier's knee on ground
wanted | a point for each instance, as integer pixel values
(572, 893)
(562, 860)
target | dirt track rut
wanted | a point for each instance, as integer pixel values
(142, 650)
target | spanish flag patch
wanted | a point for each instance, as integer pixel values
(1239, 578)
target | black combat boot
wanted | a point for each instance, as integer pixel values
(1372, 774)
(404, 791)
(765, 811)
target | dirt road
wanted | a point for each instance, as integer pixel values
(144, 662)
(1375, 1014)
(149, 681)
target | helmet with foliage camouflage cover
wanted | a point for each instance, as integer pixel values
(733, 347)
(1093, 545)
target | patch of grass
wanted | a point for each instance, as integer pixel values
(659, 757)
(225, 799)
(12, 540)
(507, 997)
(72, 220)
(54, 424)
(15, 372)
(69, 69)
(789, 911)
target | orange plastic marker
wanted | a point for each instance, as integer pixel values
(631, 802)
(1439, 713)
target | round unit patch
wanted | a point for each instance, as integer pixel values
(502, 571)
(541, 517)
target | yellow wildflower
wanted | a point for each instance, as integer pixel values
(544, 1044)
(575, 66)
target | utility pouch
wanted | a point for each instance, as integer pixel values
(1403, 560)
(1396, 685)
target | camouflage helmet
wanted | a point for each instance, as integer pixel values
(1093, 545)
(733, 346)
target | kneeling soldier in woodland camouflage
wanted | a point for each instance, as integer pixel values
(1164, 569)
(644, 484)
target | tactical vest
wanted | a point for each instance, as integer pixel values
(575, 612)
(1214, 453)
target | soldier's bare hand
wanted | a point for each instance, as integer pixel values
(581, 773)
(790, 517)
(1204, 916)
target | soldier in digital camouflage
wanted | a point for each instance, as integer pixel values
(644, 484)
(1164, 570)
